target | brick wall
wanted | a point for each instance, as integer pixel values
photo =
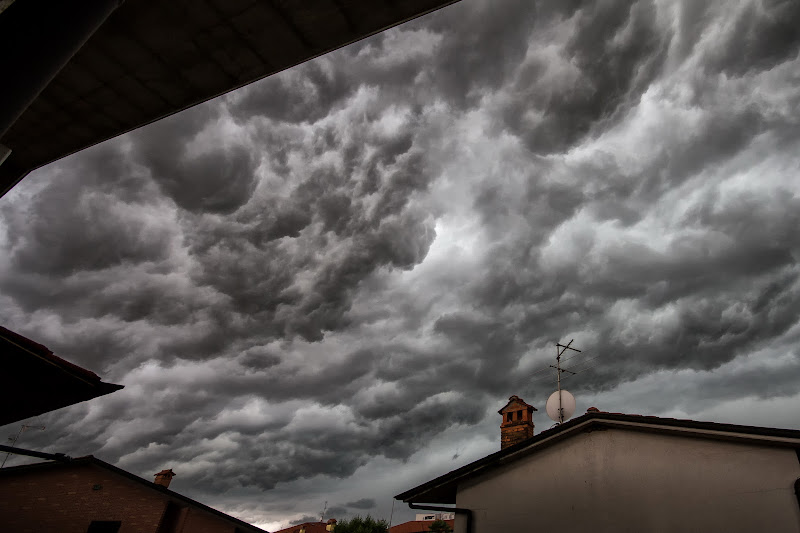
(67, 498)
(512, 434)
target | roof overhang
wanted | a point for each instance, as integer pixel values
(34, 381)
(442, 490)
(148, 59)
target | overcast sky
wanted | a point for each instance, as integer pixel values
(321, 287)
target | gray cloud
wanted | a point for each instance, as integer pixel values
(324, 285)
(363, 503)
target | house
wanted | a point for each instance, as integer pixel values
(311, 527)
(87, 495)
(418, 525)
(35, 381)
(620, 472)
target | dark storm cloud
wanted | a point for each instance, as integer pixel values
(343, 262)
(764, 35)
(615, 50)
(307, 93)
(304, 519)
(363, 503)
(92, 233)
(213, 175)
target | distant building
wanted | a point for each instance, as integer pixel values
(420, 525)
(435, 516)
(87, 495)
(610, 472)
(311, 527)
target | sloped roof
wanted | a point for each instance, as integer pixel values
(94, 461)
(443, 488)
(152, 58)
(35, 381)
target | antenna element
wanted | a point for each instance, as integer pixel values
(566, 402)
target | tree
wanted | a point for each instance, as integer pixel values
(358, 524)
(440, 526)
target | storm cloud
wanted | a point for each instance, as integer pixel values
(321, 287)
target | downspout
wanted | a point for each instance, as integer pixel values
(797, 490)
(467, 512)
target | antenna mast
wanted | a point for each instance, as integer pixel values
(560, 349)
(16, 438)
(322, 517)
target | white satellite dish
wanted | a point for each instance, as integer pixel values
(567, 403)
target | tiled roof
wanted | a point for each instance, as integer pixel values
(416, 526)
(45, 353)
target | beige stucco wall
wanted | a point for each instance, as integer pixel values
(617, 480)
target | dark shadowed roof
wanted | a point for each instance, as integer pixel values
(443, 488)
(95, 462)
(153, 58)
(34, 380)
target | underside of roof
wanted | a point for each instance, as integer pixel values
(443, 489)
(151, 58)
(34, 381)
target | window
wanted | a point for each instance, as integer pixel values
(519, 415)
(509, 416)
(104, 526)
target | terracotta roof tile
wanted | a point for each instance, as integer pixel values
(45, 353)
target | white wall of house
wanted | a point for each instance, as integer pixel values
(619, 480)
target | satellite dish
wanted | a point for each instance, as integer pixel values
(567, 405)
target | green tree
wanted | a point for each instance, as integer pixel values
(358, 524)
(440, 526)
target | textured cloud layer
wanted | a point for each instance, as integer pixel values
(323, 285)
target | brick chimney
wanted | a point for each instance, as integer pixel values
(164, 477)
(517, 422)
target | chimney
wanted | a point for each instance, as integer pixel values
(164, 477)
(593, 410)
(331, 525)
(517, 422)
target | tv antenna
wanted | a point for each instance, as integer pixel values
(16, 437)
(561, 404)
(322, 516)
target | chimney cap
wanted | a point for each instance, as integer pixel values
(167, 472)
(593, 410)
(331, 521)
(514, 398)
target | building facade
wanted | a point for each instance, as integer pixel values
(611, 472)
(86, 495)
